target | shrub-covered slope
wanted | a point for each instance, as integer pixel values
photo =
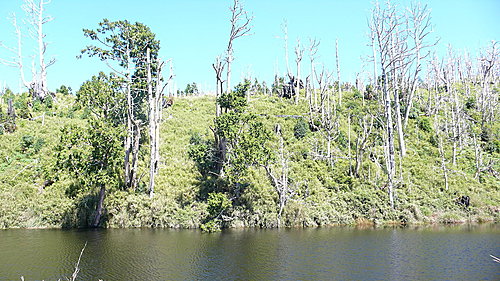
(35, 193)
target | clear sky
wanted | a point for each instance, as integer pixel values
(194, 32)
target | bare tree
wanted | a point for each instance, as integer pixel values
(419, 28)
(279, 176)
(240, 26)
(313, 50)
(366, 126)
(338, 70)
(487, 61)
(299, 52)
(17, 58)
(36, 19)
(383, 26)
(155, 109)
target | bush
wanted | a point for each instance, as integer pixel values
(424, 123)
(301, 129)
(31, 145)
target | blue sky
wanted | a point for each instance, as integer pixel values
(194, 32)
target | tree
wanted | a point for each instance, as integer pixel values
(299, 52)
(36, 20)
(191, 89)
(383, 26)
(93, 155)
(240, 26)
(155, 107)
(123, 46)
(278, 174)
(244, 135)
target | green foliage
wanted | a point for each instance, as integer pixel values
(242, 132)
(202, 152)
(64, 90)
(92, 156)
(191, 89)
(217, 205)
(30, 144)
(301, 128)
(101, 96)
(55, 184)
(236, 100)
(424, 123)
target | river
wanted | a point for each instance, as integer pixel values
(336, 253)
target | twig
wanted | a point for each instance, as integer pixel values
(77, 269)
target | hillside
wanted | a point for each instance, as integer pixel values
(34, 192)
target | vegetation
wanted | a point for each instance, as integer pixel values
(400, 150)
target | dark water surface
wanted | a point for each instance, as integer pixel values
(426, 253)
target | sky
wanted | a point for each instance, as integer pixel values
(194, 32)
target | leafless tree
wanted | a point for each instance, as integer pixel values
(279, 176)
(313, 50)
(299, 52)
(383, 27)
(366, 126)
(240, 26)
(17, 59)
(338, 70)
(419, 28)
(155, 110)
(36, 19)
(487, 62)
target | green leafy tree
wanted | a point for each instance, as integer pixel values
(93, 157)
(102, 97)
(243, 135)
(128, 48)
(191, 89)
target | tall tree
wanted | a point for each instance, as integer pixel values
(240, 26)
(123, 46)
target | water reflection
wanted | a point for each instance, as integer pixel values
(418, 253)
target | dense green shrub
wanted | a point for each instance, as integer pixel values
(301, 128)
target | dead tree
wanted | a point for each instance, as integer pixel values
(240, 26)
(155, 109)
(383, 28)
(37, 19)
(338, 70)
(366, 126)
(218, 67)
(299, 52)
(279, 176)
(487, 100)
(419, 28)
(17, 58)
(313, 50)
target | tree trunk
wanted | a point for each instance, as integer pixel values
(390, 141)
(338, 71)
(135, 154)
(97, 219)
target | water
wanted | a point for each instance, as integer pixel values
(427, 253)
